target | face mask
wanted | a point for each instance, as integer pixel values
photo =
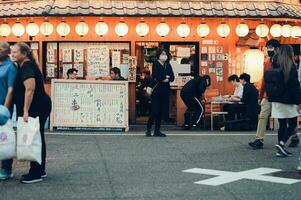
(163, 58)
(271, 54)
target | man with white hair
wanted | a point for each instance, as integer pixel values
(8, 72)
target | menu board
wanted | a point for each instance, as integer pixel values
(89, 104)
(98, 61)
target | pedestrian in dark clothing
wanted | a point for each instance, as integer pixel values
(191, 93)
(31, 101)
(285, 105)
(162, 75)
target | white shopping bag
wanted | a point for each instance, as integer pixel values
(7, 141)
(29, 144)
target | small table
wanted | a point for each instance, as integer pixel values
(218, 113)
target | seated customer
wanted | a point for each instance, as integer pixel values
(116, 74)
(191, 93)
(236, 97)
(72, 74)
(250, 99)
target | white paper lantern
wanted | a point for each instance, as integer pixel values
(82, 28)
(296, 31)
(203, 30)
(46, 28)
(286, 31)
(262, 30)
(63, 29)
(242, 30)
(5, 30)
(101, 28)
(223, 30)
(183, 30)
(162, 29)
(18, 29)
(121, 29)
(276, 30)
(142, 29)
(32, 29)
(253, 64)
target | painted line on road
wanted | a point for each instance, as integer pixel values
(139, 134)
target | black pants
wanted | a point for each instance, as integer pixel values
(286, 128)
(193, 104)
(158, 108)
(234, 110)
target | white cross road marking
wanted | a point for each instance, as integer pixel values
(224, 177)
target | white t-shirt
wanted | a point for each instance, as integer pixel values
(239, 90)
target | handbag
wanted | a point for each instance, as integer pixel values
(149, 90)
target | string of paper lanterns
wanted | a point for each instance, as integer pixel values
(142, 29)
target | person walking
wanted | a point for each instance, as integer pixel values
(266, 106)
(162, 75)
(8, 72)
(191, 94)
(284, 103)
(31, 101)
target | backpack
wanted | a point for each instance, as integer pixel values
(274, 83)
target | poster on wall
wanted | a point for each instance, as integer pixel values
(132, 68)
(51, 70)
(80, 69)
(219, 71)
(125, 58)
(98, 61)
(204, 50)
(65, 69)
(67, 55)
(183, 52)
(50, 55)
(115, 58)
(78, 55)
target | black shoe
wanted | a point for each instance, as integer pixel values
(282, 151)
(44, 175)
(256, 144)
(294, 142)
(148, 133)
(159, 134)
(28, 179)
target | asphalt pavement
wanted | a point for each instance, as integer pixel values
(132, 167)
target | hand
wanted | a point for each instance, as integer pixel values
(167, 76)
(25, 117)
(165, 80)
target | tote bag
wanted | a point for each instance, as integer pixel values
(7, 141)
(29, 144)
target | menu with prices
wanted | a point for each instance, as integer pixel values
(89, 104)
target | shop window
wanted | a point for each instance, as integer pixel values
(92, 60)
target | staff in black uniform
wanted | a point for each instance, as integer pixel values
(31, 101)
(191, 94)
(162, 75)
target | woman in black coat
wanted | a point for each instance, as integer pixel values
(162, 75)
(285, 106)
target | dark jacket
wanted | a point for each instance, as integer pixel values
(250, 99)
(292, 92)
(195, 87)
(159, 73)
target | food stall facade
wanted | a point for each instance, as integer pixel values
(94, 36)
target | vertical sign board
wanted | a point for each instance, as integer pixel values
(85, 104)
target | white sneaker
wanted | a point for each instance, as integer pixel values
(299, 168)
